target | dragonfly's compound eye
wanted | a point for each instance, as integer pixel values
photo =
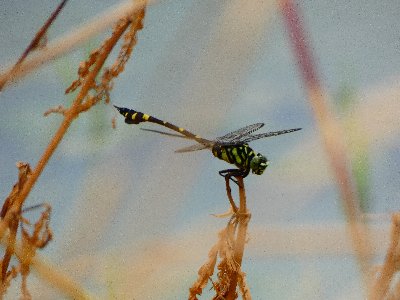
(258, 164)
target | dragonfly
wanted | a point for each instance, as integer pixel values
(232, 147)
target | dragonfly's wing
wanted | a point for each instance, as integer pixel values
(194, 147)
(166, 133)
(250, 138)
(237, 134)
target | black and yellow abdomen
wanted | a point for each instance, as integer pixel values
(137, 117)
(239, 155)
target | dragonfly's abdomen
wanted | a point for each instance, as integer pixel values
(239, 155)
(137, 117)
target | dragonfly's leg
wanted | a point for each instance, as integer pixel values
(230, 173)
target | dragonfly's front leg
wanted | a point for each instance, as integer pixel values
(230, 173)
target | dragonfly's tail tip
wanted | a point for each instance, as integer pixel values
(118, 108)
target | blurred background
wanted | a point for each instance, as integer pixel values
(132, 219)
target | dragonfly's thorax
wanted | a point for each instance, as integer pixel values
(242, 156)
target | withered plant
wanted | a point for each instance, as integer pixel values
(229, 250)
(90, 93)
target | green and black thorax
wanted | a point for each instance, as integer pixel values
(232, 147)
(238, 155)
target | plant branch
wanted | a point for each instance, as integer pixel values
(42, 32)
(11, 211)
(71, 113)
(40, 35)
(391, 265)
(243, 218)
(50, 273)
(71, 40)
(331, 135)
(230, 249)
(229, 194)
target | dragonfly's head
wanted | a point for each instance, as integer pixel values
(258, 164)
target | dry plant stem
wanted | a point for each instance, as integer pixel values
(230, 248)
(49, 273)
(38, 37)
(391, 265)
(331, 135)
(58, 109)
(229, 194)
(71, 113)
(82, 102)
(42, 31)
(13, 227)
(243, 217)
(244, 289)
(71, 40)
(205, 272)
(13, 217)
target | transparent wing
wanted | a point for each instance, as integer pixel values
(194, 147)
(250, 138)
(166, 133)
(237, 134)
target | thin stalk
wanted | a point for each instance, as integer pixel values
(70, 114)
(50, 273)
(391, 265)
(331, 135)
(229, 194)
(71, 40)
(244, 218)
(36, 40)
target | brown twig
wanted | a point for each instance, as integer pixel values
(48, 272)
(229, 194)
(391, 265)
(42, 31)
(230, 249)
(40, 35)
(12, 220)
(59, 109)
(243, 218)
(330, 133)
(205, 273)
(40, 237)
(73, 39)
(84, 100)
(76, 107)
(244, 288)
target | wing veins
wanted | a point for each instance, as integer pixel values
(195, 147)
(244, 131)
(166, 133)
(250, 138)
